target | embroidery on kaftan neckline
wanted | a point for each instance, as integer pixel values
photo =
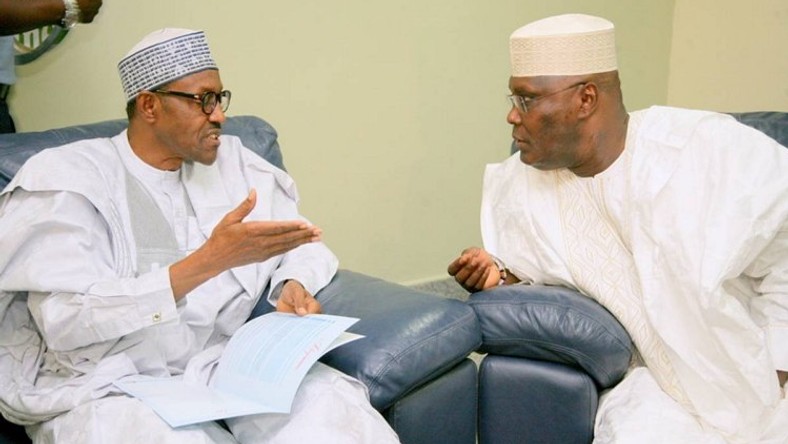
(602, 267)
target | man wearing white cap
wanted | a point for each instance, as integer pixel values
(675, 220)
(143, 253)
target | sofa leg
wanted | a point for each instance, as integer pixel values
(442, 411)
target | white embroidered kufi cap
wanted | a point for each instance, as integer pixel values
(162, 57)
(563, 45)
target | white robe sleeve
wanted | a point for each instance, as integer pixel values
(56, 246)
(313, 265)
(710, 249)
(770, 307)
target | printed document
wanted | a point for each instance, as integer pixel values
(259, 371)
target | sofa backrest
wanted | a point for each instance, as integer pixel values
(772, 123)
(15, 149)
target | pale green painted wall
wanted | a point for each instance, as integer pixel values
(387, 111)
(730, 55)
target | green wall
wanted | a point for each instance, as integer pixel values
(387, 111)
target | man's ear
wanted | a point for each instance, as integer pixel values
(589, 100)
(148, 106)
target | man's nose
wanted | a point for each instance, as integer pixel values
(514, 117)
(217, 115)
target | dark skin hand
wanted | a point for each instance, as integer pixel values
(294, 298)
(234, 243)
(19, 16)
(475, 270)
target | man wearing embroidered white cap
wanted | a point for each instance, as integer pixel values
(675, 220)
(220, 225)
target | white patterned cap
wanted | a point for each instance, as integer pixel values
(563, 45)
(162, 57)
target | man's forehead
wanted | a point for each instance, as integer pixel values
(208, 80)
(532, 83)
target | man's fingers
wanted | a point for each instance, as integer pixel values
(455, 266)
(465, 258)
(306, 305)
(313, 306)
(285, 237)
(475, 278)
(243, 209)
(294, 298)
(281, 227)
(472, 269)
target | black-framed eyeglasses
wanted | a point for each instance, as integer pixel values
(523, 104)
(208, 100)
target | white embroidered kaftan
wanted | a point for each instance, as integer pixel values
(685, 240)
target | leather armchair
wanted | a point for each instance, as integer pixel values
(414, 357)
(551, 351)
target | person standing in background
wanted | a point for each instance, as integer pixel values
(20, 16)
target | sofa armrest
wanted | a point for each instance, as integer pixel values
(411, 337)
(553, 324)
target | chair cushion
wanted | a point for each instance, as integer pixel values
(553, 324)
(411, 336)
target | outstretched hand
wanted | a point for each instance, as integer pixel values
(475, 270)
(234, 243)
(294, 298)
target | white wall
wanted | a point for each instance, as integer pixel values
(387, 111)
(730, 55)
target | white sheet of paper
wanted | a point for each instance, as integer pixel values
(259, 371)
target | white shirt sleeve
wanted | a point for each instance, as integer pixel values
(770, 307)
(59, 250)
(313, 265)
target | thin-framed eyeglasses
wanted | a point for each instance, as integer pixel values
(208, 100)
(524, 104)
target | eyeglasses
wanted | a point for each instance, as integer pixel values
(524, 104)
(208, 100)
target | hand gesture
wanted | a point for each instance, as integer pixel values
(475, 270)
(234, 243)
(295, 299)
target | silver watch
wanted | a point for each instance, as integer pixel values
(502, 271)
(71, 17)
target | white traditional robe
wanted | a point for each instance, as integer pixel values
(102, 300)
(685, 240)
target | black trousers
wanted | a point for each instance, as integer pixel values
(6, 122)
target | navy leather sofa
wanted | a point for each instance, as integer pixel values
(414, 357)
(550, 351)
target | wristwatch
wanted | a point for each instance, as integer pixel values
(501, 269)
(71, 17)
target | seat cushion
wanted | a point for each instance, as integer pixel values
(411, 337)
(553, 324)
